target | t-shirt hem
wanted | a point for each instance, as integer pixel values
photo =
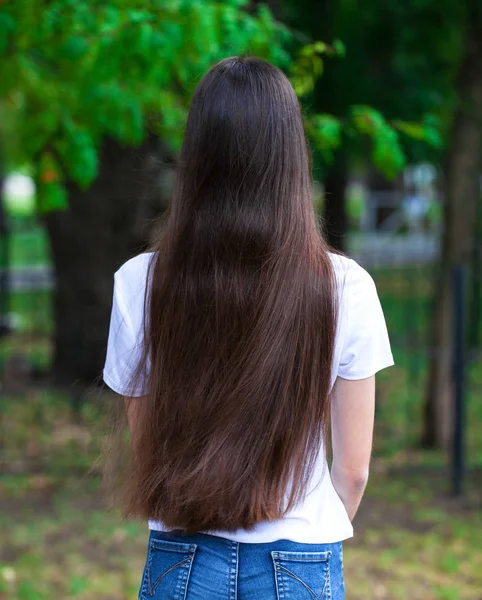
(249, 538)
(354, 375)
(113, 384)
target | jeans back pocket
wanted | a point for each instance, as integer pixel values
(167, 571)
(302, 575)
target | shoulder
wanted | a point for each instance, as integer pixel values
(131, 281)
(350, 276)
(135, 270)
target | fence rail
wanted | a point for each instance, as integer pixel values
(403, 267)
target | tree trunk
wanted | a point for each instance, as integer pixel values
(102, 228)
(335, 218)
(475, 293)
(319, 20)
(462, 193)
(4, 261)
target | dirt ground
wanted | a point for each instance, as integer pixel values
(59, 541)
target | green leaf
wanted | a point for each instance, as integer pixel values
(109, 20)
(339, 48)
(326, 132)
(413, 130)
(51, 194)
(432, 136)
(138, 16)
(306, 70)
(78, 153)
(51, 198)
(237, 3)
(74, 48)
(320, 47)
(432, 126)
(387, 153)
(427, 131)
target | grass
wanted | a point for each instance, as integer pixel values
(433, 556)
(59, 540)
(413, 541)
(32, 319)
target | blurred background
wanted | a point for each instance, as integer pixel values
(93, 100)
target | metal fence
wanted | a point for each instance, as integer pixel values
(26, 285)
(403, 267)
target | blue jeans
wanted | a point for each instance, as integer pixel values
(206, 567)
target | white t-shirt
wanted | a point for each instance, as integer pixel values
(362, 348)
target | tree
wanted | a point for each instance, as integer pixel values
(464, 163)
(400, 57)
(93, 89)
(417, 60)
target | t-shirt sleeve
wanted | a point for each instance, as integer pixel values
(366, 347)
(124, 346)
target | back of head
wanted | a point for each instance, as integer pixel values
(245, 148)
(240, 317)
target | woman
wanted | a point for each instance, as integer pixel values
(233, 342)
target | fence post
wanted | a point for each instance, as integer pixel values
(4, 264)
(458, 364)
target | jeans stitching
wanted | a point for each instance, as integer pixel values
(282, 575)
(280, 592)
(185, 564)
(294, 576)
(187, 573)
(233, 575)
(280, 569)
(152, 588)
(304, 557)
(327, 586)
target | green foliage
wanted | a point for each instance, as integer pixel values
(326, 133)
(428, 131)
(77, 151)
(308, 66)
(401, 59)
(75, 72)
(387, 153)
(51, 194)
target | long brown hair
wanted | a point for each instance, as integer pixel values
(240, 316)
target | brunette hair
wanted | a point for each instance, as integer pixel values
(240, 316)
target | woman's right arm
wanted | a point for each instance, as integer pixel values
(132, 406)
(131, 412)
(352, 419)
